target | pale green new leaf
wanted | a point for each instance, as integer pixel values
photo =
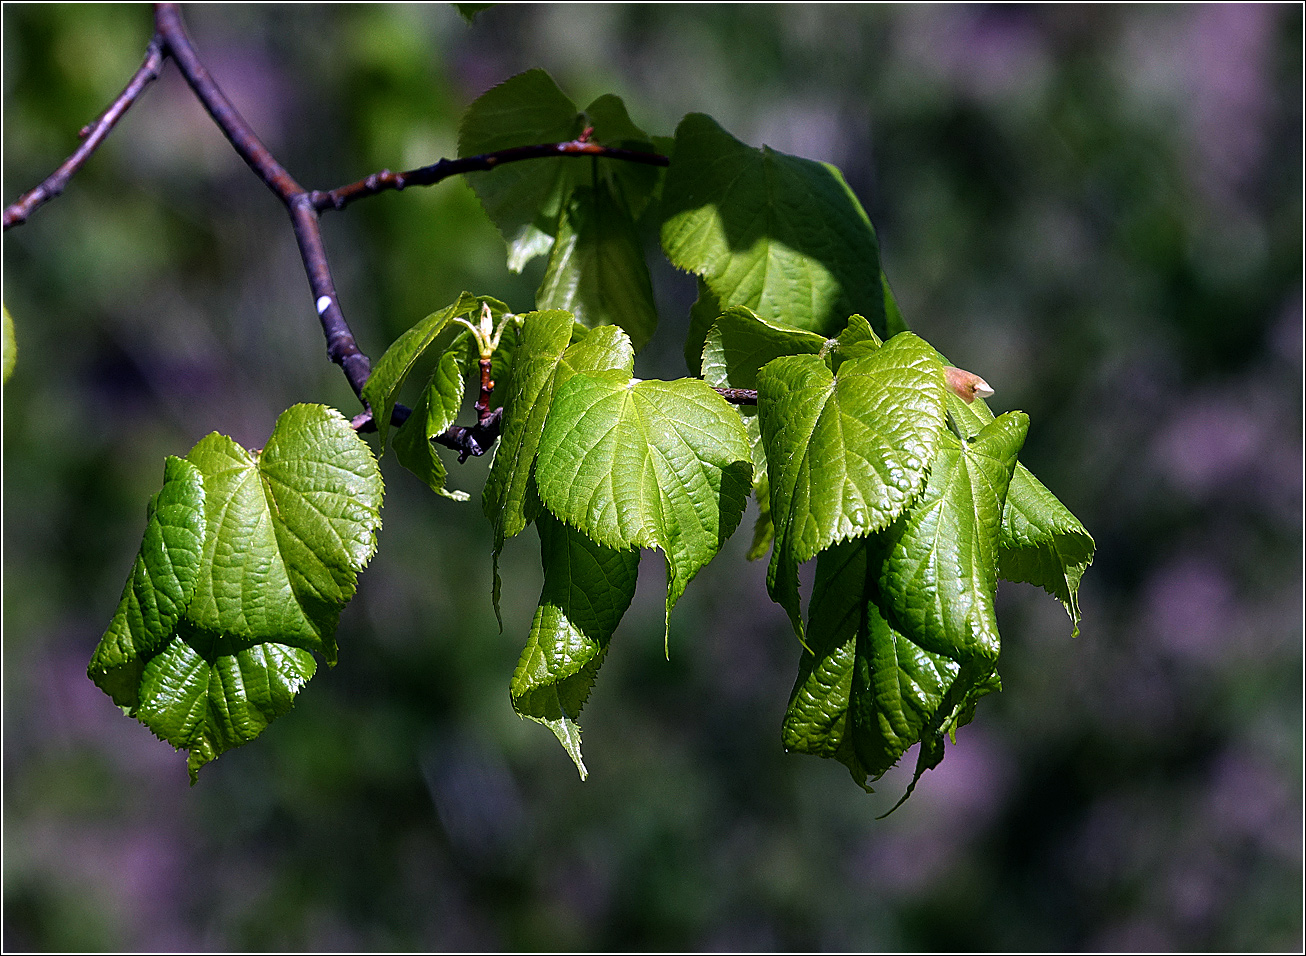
(434, 412)
(940, 571)
(587, 589)
(1042, 542)
(434, 334)
(596, 267)
(543, 361)
(247, 560)
(782, 235)
(209, 693)
(287, 530)
(845, 453)
(10, 353)
(646, 464)
(160, 587)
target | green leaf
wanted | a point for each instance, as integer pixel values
(741, 342)
(543, 361)
(1042, 542)
(468, 11)
(433, 413)
(209, 693)
(893, 317)
(781, 235)
(287, 530)
(647, 464)
(939, 573)
(587, 589)
(10, 353)
(160, 587)
(846, 453)
(247, 560)
(435, 334)
(597, 269)
(523, 199)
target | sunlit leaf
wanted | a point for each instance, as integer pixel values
(646, 464)
(845, 453)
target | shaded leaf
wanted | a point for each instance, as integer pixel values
(160, 587)
(596, 267)
(782, 235)
(587, 589)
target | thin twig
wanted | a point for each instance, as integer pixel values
(93, 134)
(436, 172)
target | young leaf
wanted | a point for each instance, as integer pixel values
(435, 333)
(597, 269)
(286, 530)
(1042, 542)
(522, 199)
(939, 572)
(247, 560)
(782, 235)
(434, 412)
(646, 464)
(160, 587)
(543, 361)
(741, 342)
(845, 453)
(587, 589)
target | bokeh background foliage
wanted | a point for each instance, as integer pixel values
(1097, 208)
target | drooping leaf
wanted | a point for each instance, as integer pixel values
(1042, 542)
(469, 11)
(864, 693)
(646, 464)
(522, 199)
(597, 269)
(544, 360)
(525, 199)
(160, 587)
(247, 561)
(10, 354)
(587, 589)
(207, 692)
(434, 412)
(845, 453)
(433, 335)
(287, 530)
(781, 235)
(940, 568)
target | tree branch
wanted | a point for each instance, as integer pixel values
(92, 135)
(429, 175)
(171, 41)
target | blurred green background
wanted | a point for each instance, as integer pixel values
(1099, 209)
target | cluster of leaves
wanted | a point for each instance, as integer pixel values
(910, 498)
